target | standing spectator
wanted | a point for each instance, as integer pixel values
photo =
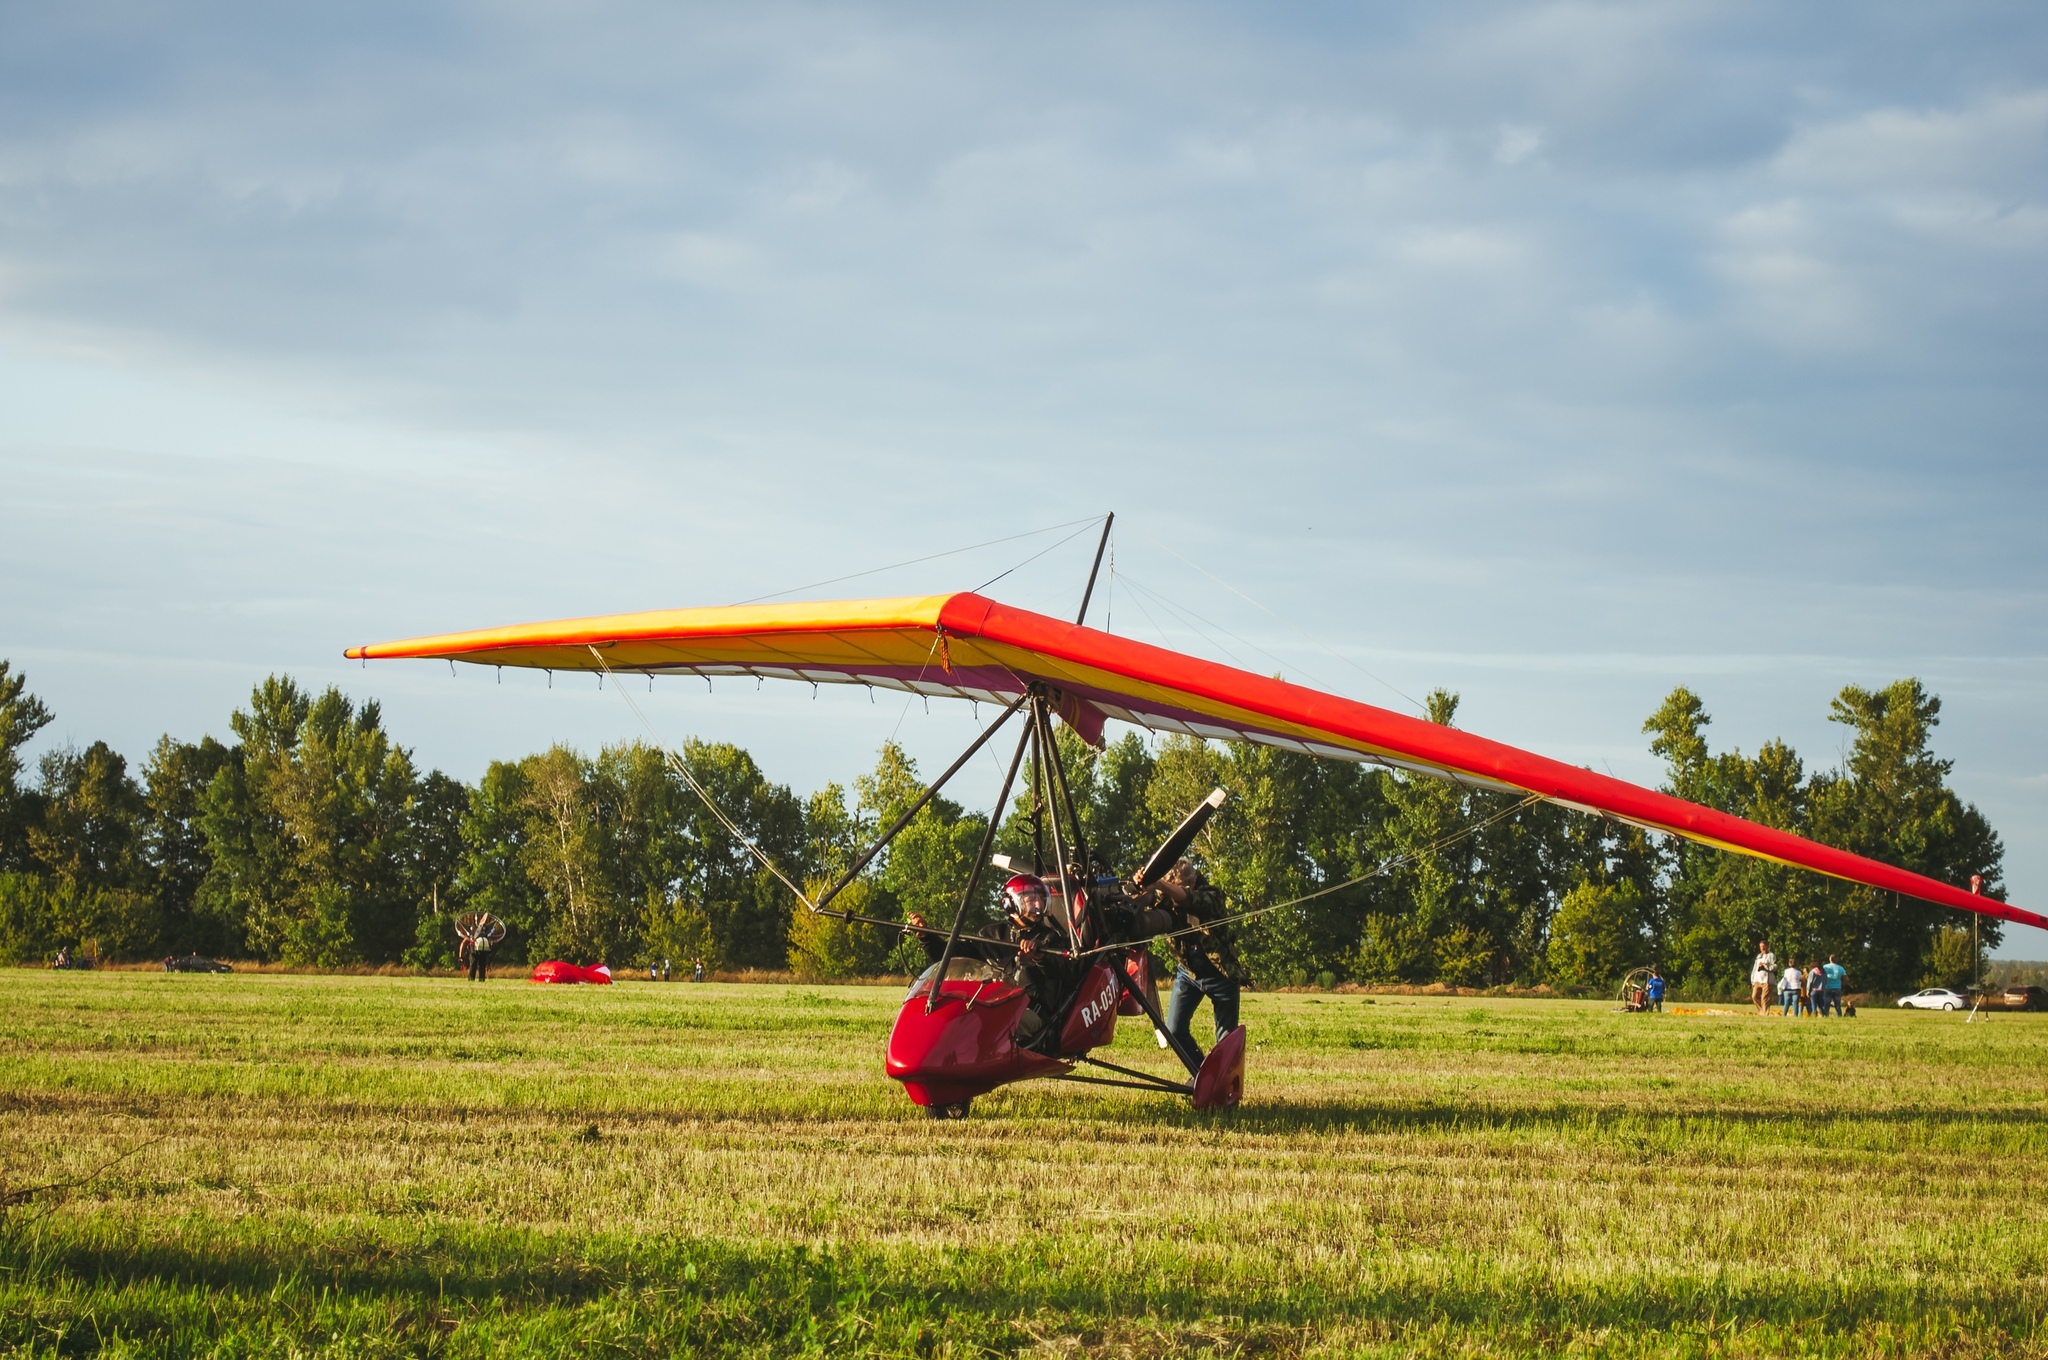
(1761, 975)
(1816, 990)
(697, 972)
(480, 948)
(1788, 988)
(1833, 975)
(1655, 991)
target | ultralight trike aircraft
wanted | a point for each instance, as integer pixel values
(970, 1024)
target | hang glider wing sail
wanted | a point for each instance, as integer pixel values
(970, 647)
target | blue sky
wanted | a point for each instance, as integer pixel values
(1557, 354)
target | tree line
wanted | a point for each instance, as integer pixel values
(313, 838)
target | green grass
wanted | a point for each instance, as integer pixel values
(374, 1165)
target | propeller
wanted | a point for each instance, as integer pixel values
(1176, 845)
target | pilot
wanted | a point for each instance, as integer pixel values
(1027, 935)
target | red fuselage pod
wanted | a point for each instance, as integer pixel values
(1091, 1022)
(966, 1046)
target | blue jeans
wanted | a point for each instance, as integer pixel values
(1831, 1000)
(1786, 1001)
(1188, 991)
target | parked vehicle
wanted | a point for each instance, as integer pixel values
(2023, 998)
(1936, 999)
(194, 963)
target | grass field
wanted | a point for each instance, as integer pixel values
(371, 1166)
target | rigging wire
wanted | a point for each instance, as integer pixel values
(1035, 556)
(1292, 624)
(1441, 843)
(1186, 614)
(1195, 621)
(1138, 600)
(932, 557)
(912, 696)
(682, 769)
(1109, 596)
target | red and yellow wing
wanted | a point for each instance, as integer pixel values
(971, 647)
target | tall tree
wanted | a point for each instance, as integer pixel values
(749, 908)
(1891, 802)
(925, 868)
(494, 876)
(22, 715)
(318, 837)
(89, 841)
(175, 781)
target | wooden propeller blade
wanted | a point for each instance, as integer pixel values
(1168, 854)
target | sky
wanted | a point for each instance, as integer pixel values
(1555, 354)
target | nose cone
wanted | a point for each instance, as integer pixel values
(964, 1047)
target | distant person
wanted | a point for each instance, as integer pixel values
(1788, 988)
(480, 949)
(1654, 992)
(1761, 974)
(1833, 975)
(1816, 989)
(63, 956)
(697, 971)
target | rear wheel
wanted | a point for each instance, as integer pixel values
(1948, 1005)
(955, 1110)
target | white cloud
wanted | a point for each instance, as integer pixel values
(710, 260)
(820, 187)
(1996, 145)
(1463, 248)
(1514, 144)
(1786, 287)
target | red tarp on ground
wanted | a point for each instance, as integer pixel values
(554, 970)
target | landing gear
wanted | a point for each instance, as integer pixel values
(955, 1110)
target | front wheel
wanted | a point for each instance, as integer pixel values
(954, 1110)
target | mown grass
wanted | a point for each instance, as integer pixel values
(376, 1165)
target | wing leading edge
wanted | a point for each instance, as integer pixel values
(971, 647)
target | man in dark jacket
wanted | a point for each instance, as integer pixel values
(1206, 953)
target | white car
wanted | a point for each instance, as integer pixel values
(1936, 999)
